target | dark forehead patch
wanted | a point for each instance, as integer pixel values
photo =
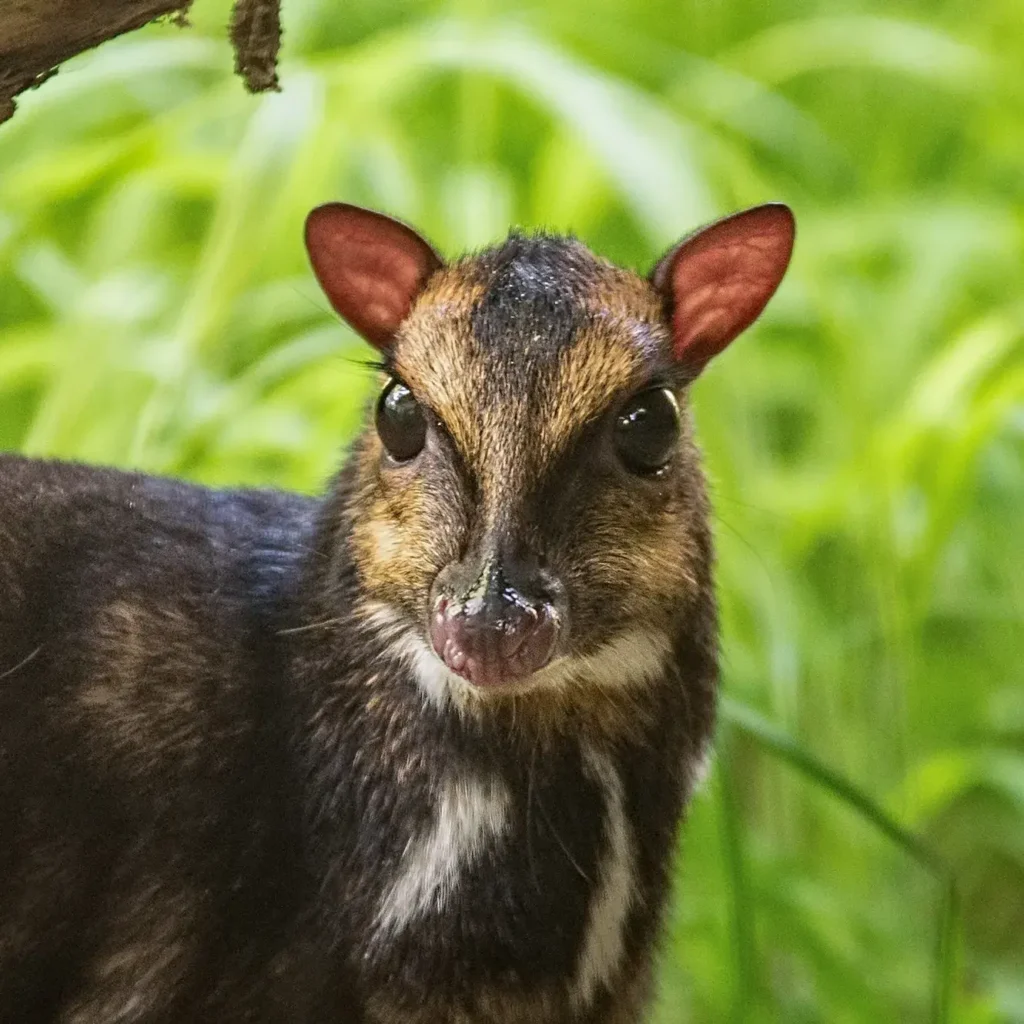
(519, 347)
(534, 294)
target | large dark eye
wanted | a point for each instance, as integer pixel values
(646, 430)
(400, 422)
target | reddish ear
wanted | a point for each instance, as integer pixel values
(719, 279)
(370, 267)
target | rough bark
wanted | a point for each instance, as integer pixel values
(38, 35)
(256, 35)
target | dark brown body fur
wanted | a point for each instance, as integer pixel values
(212, 764)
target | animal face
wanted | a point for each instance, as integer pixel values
(529, 500)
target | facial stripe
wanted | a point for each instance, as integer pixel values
(438, 358)
(602, 366)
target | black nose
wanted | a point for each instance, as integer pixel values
(490, 632)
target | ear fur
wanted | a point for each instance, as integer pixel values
(371, 267)
(718, 280)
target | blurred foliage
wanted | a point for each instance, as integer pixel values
(865, 440)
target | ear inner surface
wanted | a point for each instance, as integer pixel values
(719, 279)
(371, 267)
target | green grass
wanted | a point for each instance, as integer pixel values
(858, 852)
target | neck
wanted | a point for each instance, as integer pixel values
(442, 824)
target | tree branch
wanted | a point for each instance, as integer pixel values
(38, 35)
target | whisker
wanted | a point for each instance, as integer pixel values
(565, 849)
(323, 624)
(21, 664)
(530, 775)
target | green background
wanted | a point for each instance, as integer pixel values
(865, 439)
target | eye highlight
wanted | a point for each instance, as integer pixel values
(647, 430)
(400, 422)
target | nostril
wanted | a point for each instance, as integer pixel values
(510, 639)
(538, 642)
(516, 629)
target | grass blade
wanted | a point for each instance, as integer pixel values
(757, 728)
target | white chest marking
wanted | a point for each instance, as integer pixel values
(469, 815)
(601, 954)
